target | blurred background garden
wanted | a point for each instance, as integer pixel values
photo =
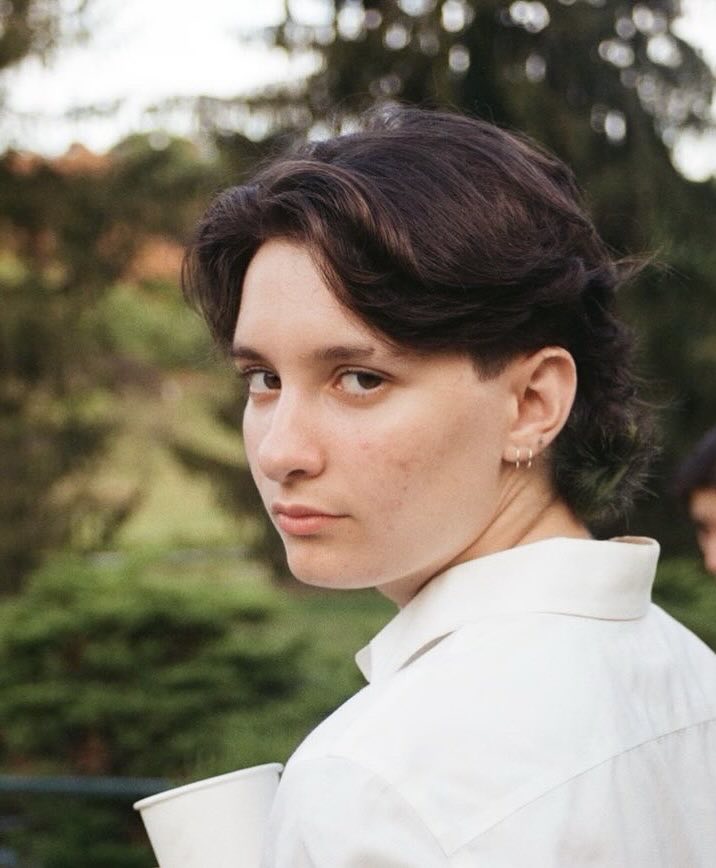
(148, 628)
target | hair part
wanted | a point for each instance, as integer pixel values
(444, 233)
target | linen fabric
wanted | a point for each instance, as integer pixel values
(528, 709)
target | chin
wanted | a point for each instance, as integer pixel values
(323, 570)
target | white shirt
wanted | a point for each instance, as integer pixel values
(529, 709)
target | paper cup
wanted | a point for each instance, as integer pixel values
(218, 822)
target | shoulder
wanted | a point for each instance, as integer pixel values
(529, 676)
(502, 712)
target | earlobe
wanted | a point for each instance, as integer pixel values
(545, 384)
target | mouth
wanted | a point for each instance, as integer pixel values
(299, 520)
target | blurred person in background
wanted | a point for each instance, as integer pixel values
(441, 405)
(696, 486)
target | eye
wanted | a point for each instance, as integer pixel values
(260, 382)
(360, 382)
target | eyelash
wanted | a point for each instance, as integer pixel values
(247, 373)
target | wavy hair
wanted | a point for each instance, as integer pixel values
(445, 233)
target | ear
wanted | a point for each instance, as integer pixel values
(544, 384)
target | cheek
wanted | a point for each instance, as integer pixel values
(380, 472)
(252, 439)
(409, 470)
(393, 454)
(447, 469)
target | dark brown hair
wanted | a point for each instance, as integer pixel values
(447, 234)
(698, 469)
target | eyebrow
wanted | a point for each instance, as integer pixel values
(334, 353)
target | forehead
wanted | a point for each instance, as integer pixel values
(285, 299)
(702, 505)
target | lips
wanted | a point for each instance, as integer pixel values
(296, 510)
(300, 520)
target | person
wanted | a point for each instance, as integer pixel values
(440, 405)
(696, 487)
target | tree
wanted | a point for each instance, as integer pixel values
(607, 85)
(556, 70)
(127, 669)
(68, 229)
(36, 27)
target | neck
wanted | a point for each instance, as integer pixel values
(529, 511)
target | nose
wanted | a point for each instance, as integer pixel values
(289, 445)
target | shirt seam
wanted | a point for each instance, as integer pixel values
(450, 851)
(388, 785)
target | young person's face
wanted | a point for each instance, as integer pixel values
(702, 507)
(378, 468)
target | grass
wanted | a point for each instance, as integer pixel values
(175, 507)
(178, 509)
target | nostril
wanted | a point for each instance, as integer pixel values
(287, 454)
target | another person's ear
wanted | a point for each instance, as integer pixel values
(544, 384)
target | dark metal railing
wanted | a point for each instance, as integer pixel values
(81, 785)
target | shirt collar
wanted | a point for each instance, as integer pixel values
(607, 579)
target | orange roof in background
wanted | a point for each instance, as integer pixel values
(77, 160)
(158, 258)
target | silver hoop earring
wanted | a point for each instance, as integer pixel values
(529, 458)
(518, 455)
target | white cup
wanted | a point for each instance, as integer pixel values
(218, 822)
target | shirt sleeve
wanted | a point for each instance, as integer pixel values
(332, 813)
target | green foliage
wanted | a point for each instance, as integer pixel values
(235, 489)
(118, 669)
(75, 833)
(689, 594)
(133, 666)
(338, 624)
(153, 326)
(69, 337)
(556, 70)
